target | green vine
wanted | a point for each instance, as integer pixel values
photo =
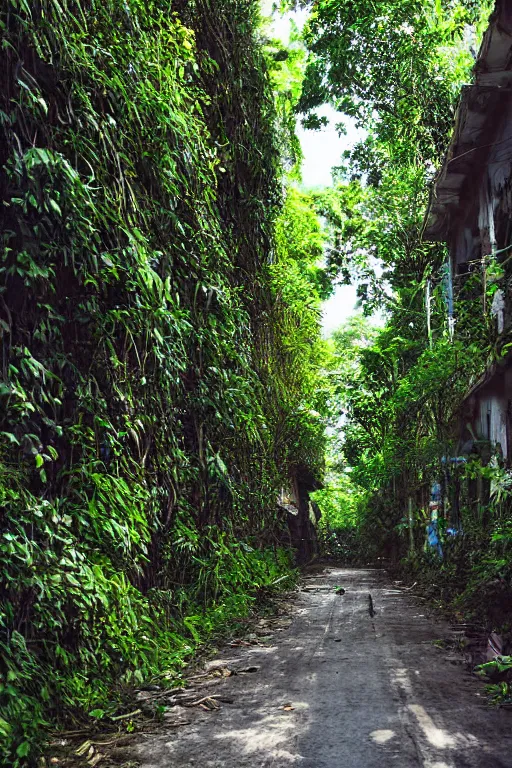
(147, 340)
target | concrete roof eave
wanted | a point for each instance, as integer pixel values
(475, 124)
(472, 138)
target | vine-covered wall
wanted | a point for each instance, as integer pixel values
(147, 343)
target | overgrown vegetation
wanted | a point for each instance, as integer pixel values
(163, 376)
(159, 320)
(397, 69)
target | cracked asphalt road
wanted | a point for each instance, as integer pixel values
(360, 691)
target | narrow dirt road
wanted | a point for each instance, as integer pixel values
(353, 683)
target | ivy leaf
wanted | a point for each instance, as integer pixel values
(23, 749)
(97, 713)
(55, 206)
(12, 438)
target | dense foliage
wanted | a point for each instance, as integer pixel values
(395, 66)
(160, 343)
(397, 389)
(163, 375)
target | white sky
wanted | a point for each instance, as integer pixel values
(322, 150)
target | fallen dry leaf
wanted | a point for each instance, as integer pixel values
(83, 748)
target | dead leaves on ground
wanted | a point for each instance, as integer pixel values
(169, 705)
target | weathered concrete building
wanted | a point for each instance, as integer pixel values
(471, 210)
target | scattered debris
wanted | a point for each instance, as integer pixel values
(207, 702)
(169, 705)
(225, 668)
(87, 750)
(216, 665)
(245, 644)
(135, 713)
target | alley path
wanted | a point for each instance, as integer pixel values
(360, 691)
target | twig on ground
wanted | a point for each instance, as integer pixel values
(129, 714)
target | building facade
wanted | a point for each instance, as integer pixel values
(471, 211)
